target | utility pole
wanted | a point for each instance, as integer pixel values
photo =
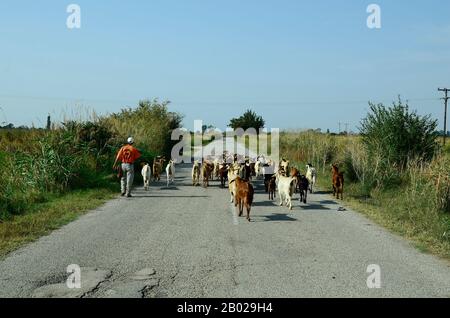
(339, 127)
(445, 90)
(346, 128)
(49, 122)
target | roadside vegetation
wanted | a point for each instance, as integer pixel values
(396, 172)
(48, 177)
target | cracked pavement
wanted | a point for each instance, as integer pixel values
(182, 241)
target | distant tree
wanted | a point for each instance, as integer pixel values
(399, 134)
(9, 126)
(248, 120)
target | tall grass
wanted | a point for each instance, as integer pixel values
(48, 163)
(310, 147)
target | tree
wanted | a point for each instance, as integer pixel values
(248, 120)
(398, 135)
(9, 126)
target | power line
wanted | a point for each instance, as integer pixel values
(65, 99)
(127, 101)
(294, 103)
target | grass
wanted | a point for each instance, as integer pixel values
(394, 210)
(43, 218)
(447, 148)
(389, 210)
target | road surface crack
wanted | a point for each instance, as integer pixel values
(146, 291)
(91, 292)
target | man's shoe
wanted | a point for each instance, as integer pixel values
(122, 194)
(129, 196)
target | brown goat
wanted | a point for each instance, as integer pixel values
(207, 170)
(338, 182)
(158, 165)
(243, 196)
(294, 172)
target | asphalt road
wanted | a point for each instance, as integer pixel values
(187, 242)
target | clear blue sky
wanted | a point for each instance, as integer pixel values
(300, 64)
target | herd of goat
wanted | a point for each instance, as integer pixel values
(278, 178)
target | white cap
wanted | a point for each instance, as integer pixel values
(130, 140)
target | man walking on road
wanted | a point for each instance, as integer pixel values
(128, 154)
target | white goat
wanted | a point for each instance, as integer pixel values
(147, 175)
(232, 175)
(170, 172)
(258, 168)
(286, 189)
(311, 175)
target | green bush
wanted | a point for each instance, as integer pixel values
(398, 135)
